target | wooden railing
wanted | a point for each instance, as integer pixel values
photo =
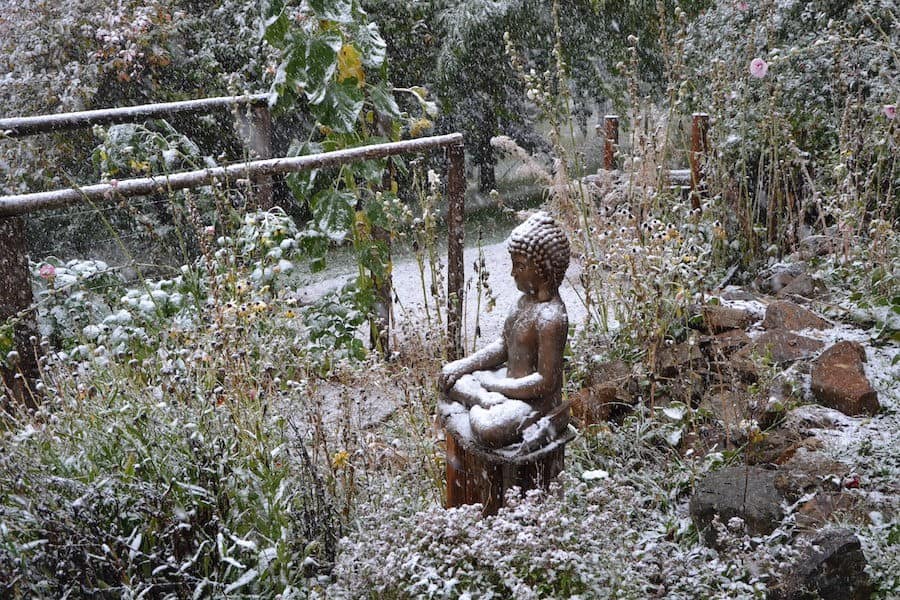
(15, 278)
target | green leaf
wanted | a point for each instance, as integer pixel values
(276, 28)
(271, 7)
(384, 102)
(372, 46)
(375, 257)
(295, 67)
(340, 107)
(315, 246)
(303, 183)
(371, 171)
(321, 63)
(340, 11)
(333, 212)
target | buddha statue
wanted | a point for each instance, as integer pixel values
(506, 405)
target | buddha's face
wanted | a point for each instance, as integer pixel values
(525, 273)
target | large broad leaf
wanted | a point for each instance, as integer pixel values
(321, 63)
(372, 46)
(333, 212)
(384, 101)
(303, 183)
(371, 171)
(333, 10)
(315, 245)
(275, 28)
(340, 107)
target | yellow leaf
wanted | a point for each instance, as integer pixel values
(350, 65)
(420, 127)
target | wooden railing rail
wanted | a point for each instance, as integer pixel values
(24, 126)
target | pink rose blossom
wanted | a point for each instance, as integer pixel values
(743, 5)
(47, 271)
(758, 68)
(209, 230)
(890, 111)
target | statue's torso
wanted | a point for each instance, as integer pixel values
(523, 329)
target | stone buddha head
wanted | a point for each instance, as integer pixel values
(539, 250)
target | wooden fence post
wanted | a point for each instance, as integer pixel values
(610, 141)
(261, 143)
(456, 201)
(384, 283)
(19, 373)
(699, 149)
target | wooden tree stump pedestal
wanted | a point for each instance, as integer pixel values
(476, 474)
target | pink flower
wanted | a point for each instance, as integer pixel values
(209, 230)
(743, 5)
(47, 271)
(758, 68)
(890, 111)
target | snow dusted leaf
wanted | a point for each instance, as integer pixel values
(31, 545)
(198, 592)
(276, 28)
(242, 581)
(673, 437)
(333, 212)
(266, 557)
(135, 546)
(248, 544)
(674, 412)
(333, 10)
(340, 106)
(321, 64)
(371, 45)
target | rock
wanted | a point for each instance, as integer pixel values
(773, 447)
(832, 567)
(724, 318)
(743, 367)
(673, 359)
(606, 391)
(730, 407)
(781, 347)
(594, 404)
(816, 245)
(802, 286)
(776, 278)
(719, 350)
(839, 380)
(728, 342)
(806, 419)
(814, 513)
(808, 471)
(688, 388)
(735, 293)
(771, 407)
(783, 314)
(745, 492)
